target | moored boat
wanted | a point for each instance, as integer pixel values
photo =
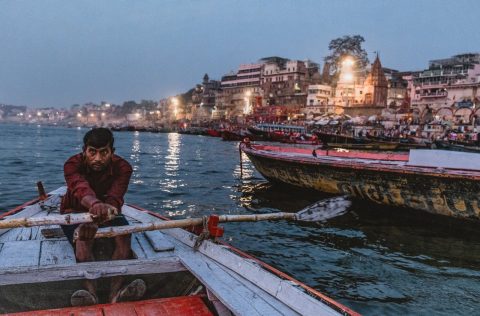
(436, 181)
(368, 146)
(38, 272)
(441, 144)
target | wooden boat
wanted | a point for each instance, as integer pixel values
(369, 146)
(214, 132)
(340, 138)
(239, 135)
(441, 144)
(38, 273)
(436, 181)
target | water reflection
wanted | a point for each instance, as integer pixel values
(247, 168)
(135, 159)
(172, 160)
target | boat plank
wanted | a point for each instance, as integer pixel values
(232, 293)
(11, 235)
(268, 282)
(93, 270)
(20, 254)
(138, 215)
(158, 241)
(26, 212)
(56, 252)
(25, 234)
(137, 248)
(148, 249)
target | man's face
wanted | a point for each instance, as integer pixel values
(98, 159)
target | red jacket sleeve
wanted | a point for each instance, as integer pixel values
(76, 182)
(122, 173)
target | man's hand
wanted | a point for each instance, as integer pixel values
(86, 232)
(102, 212)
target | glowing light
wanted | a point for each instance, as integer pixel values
(107, 105)
(92, 115)
(248, 93)
(348, 62)
(39, 113)
(137, 114)
(103, 114)
(79, 114)
(348, 77)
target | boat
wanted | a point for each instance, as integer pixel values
(436, 181)
(239, 135)
(214, 132)
(340, 138)
(275, 132)
(368, 146)
(185, 274)
(442, 144)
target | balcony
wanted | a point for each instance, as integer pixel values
(435, 94)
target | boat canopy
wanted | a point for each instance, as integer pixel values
(279, 127)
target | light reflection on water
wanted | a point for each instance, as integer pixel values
(375, 260)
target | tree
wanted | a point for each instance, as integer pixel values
(346, 46)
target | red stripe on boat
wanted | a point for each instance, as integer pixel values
(179, 306)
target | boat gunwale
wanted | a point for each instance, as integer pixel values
(440, 172)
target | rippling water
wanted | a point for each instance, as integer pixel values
(374, 259)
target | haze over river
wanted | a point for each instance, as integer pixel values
(375, 260)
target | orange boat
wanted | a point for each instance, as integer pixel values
(436, 181)
(185, 274)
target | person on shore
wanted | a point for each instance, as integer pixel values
(97, 181)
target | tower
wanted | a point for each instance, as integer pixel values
(376, 85)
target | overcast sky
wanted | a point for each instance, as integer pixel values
(58, 53)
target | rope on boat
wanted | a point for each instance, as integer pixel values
(241, 163)
(204, 235)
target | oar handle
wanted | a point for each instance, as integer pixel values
(67, 219)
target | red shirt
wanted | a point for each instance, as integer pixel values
(108, 186)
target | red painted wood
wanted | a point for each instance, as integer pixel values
(19, 208)
(334, 153)
(178, 306)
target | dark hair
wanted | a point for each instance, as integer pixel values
(98, 137)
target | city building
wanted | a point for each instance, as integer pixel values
(359, 91)
(241, 92)
(285, 82)
(319, 100)
(449, 86)
(204, 98)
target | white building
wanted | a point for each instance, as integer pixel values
(319, 100)
(447, 83)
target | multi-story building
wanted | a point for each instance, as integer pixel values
(285, 82)
(241, 92)
(450, 83)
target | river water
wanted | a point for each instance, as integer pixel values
(375, 260)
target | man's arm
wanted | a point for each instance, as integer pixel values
(119, 186)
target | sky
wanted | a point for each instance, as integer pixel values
(58, 53)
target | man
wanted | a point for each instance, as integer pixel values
(97, 181)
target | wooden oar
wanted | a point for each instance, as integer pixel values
(317, 212)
